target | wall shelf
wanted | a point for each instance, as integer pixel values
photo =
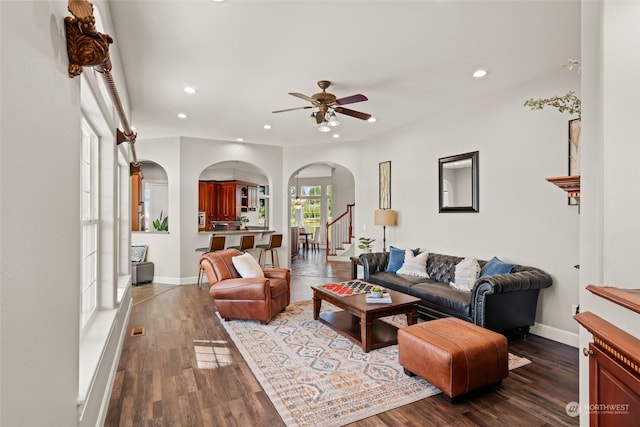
(570, 184)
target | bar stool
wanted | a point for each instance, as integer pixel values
(246, 242)
(274, 242)
(215, 244)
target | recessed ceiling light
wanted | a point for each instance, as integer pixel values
(190, 90)
(267, 127)
(218, 1)
(182, 116)
(479, 73)
(371, 119)
(336, 135)
(240, 139)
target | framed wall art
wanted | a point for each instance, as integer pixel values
(384, 184)
(574, 152)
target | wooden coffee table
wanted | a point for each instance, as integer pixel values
(359, 321)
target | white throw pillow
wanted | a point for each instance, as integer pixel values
(414, 265)
(247, 265)
(466, 273)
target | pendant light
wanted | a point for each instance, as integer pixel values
(298, 202)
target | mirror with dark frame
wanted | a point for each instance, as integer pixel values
(458, 183)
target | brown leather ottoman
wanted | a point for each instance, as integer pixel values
(454, 355)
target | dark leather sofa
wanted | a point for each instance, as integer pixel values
(501, 302)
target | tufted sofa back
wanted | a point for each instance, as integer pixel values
(442, 267)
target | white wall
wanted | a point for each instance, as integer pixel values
(522, 217)
(39, 227)
(609, 229)
(184, 159)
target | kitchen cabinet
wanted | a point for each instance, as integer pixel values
(248, 197)
(226, 200)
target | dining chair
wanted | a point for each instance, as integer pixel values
(316, 240)
(274, 242)
(302, 239)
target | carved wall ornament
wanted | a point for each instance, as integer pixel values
(88, 47)
(85, 49)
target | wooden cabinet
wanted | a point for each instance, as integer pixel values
(247, 197)
(614, 363)
(137, 201)
(226, 200)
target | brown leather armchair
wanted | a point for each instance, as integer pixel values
(245, 298)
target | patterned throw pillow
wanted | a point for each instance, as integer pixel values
(414, 265)
(396, 258)
(466, 274)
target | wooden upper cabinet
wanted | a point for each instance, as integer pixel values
(226, 200)
(248, 197)
(227, 206)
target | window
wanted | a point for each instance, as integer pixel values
(89, 225)
(310, 215)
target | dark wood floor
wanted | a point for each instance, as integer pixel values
(159, 382)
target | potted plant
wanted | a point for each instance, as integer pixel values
(243, 222)
(366, 243)
(161, 224)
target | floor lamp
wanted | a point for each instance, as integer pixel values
(385, 217)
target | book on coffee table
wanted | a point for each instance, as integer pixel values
(385, 299)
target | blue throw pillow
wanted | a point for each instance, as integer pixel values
(495, 266)
(396, 258)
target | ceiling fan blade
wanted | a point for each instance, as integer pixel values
(352, 113)
(351, 99)
(319, 117)
(292, 109)
(302, 96)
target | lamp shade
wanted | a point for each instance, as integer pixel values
(385, 217)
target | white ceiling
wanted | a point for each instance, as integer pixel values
(412, 59)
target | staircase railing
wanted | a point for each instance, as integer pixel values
(339, 231)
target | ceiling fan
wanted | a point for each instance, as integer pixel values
(328, 105)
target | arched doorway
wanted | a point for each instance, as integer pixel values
(150, 196)
(325, 190)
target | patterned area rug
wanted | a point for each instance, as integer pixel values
(315, 376)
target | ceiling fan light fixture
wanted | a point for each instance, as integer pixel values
(333, 120)
(324, 127)
(312, 120)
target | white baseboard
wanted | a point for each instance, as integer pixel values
(338, 258)
(176, 280)
(555, 334)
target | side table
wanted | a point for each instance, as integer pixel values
(355, 262)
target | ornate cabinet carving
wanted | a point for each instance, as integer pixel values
(614, 363)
